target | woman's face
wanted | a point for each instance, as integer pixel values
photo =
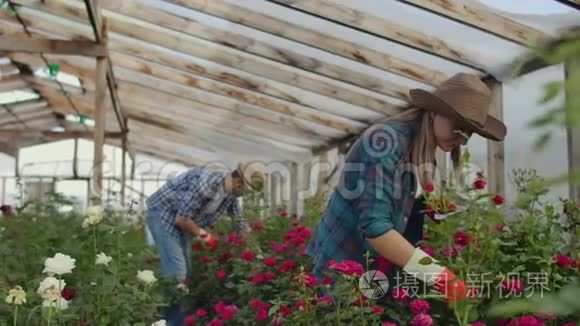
(448, 134)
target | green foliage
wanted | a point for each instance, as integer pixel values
(104, 295)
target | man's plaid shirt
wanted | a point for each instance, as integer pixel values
(188, 194)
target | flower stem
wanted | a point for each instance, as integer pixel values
(49, 315)
(15, 315)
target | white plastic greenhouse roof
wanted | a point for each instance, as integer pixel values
(277, 79)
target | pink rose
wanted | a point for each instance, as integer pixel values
(189, 320)
(201, 313)
(348, 267)
(269, 261)
(262, 315)
(419, 306)
(247, 255)
(461, 238)
(220, 275)
(422, 320)
(563, 260)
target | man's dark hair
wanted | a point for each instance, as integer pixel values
(236, 174)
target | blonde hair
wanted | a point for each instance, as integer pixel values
(422, 147)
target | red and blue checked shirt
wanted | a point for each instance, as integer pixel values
(375, 194)
(188, 195)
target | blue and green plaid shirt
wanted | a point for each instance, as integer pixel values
(375, 194)
(188, 194)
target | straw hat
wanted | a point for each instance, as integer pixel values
(252, 173)
(466, 98)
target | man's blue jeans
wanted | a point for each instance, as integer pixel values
(174, 254)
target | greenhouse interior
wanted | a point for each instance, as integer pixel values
(289, 162)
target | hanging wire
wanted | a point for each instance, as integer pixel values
(48, 65)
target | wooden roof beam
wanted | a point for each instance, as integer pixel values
(193, 47)
(480, 17)
(381, 27)
(269, 24)
(39, 45)
(82, 69)
(307, 114)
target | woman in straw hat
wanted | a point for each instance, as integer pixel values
(383, 172)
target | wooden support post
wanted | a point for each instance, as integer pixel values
(323, 172)
(274, 189)
(100, 113)
(293, 183)
(123, 168)
(3, 190)
(17, 161)
(75, 158)
(573, 136)
(495, 150)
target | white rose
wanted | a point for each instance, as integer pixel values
(50, 288)
(146, 276)
(59, 303)
(161, 322)
(94, 215)
(16, 296)
(103, 259)
(59, 264)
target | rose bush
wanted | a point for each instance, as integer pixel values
(58, 267)
(104, 273)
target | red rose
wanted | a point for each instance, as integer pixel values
(189, 320)
(428, 250)
(270, 261)
(348, 267)
(325, 299)
(259, 304)
(461, 238)
(220, 275)
(234, 239)
(563, 260)
(257, 225)
(269, 276)
(261, 315)
(479, 184)
(186, 280)
(285, 310)
(201, 313)
(67, 294)
(215, 322)
(197, 246)
(420, 306)
(500, 227)
(257, 279)
(429, 188)
(452, 206)
(205, 259)
(327, 280)
(498, 200)
(308, 280)
(225, 257)
(287, 266)
(378, 310)
(247, 255)
(283, 213)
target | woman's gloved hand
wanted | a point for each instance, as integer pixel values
(425, 268)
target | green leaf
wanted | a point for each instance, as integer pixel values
(426, 261)
(551, 90)
(542, 141)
